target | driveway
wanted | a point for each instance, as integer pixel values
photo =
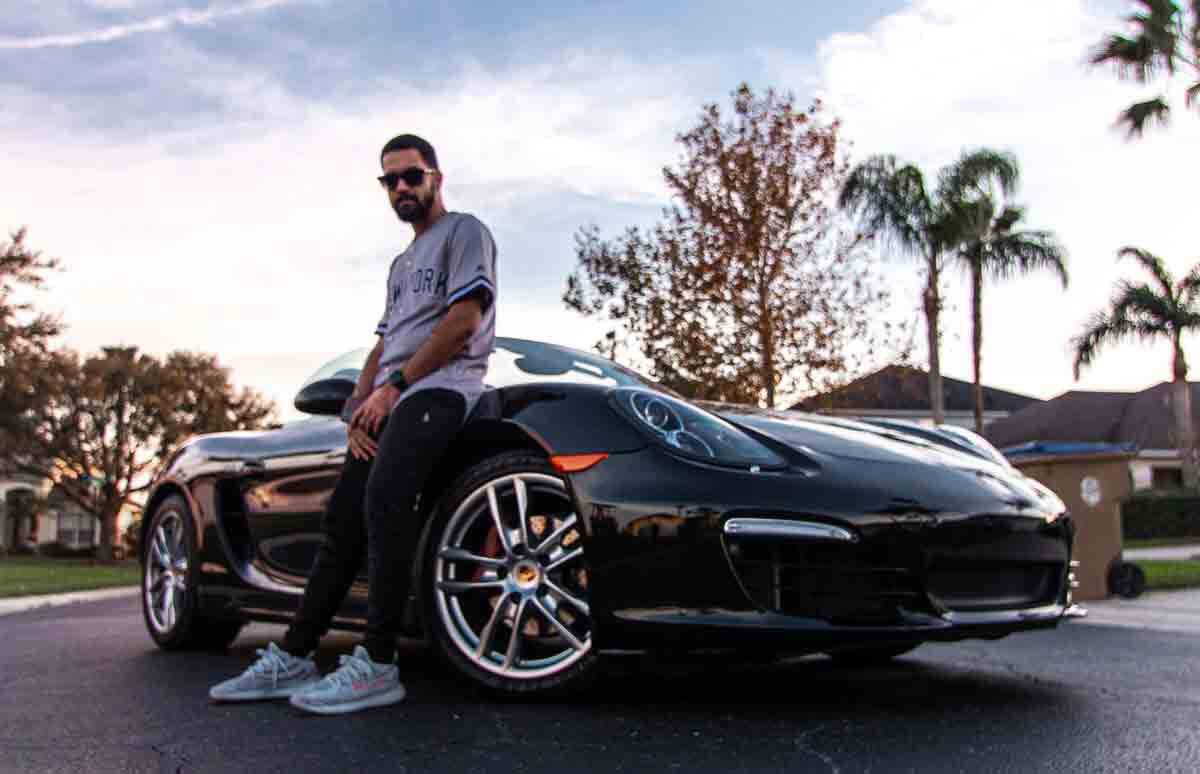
(1191, 551)
(85, 690)
(1163, 611)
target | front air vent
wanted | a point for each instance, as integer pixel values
(836, 580)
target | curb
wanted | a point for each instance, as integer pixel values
(23, 604)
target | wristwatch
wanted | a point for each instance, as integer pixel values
(397, 380)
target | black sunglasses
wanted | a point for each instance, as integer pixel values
(412, 177)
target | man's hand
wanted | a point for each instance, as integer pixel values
(362, 445)
(370, 415)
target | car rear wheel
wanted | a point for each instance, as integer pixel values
(505, 582)
(169, 601)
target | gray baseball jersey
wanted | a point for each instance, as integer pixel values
(455, 258)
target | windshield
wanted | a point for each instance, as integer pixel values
(518, 361)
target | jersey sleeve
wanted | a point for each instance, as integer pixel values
(471, 258)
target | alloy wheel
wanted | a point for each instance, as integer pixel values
(510, 584)
(164, 580)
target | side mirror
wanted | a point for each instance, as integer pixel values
(325, 396)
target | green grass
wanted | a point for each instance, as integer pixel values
(1160, 542)
(1170, 573)
(22, 576)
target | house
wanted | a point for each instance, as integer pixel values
(57, 520)
(1143, 419)
(902, 392)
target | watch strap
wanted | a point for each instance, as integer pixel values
(397, 380)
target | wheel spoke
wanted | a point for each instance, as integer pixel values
(176, 544)
(514, 641)
(566, 596)
(489, 630)
(556, 536)
(567, 557)
(160, 549)
(461, 555)
(522, 509)
(458, 587)
(169, 608)
(557, 624)
(156, 584)
(501, 530)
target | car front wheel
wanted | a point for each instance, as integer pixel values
(168, 594)
(505, 579)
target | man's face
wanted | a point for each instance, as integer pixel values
(411, 203)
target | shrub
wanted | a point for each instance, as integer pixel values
(59, 551)
(1169, 514)
(130, 538)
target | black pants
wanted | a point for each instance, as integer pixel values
(373, 507)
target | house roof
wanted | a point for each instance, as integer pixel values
(902, 388)
(1144, 419)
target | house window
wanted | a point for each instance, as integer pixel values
(75, 530)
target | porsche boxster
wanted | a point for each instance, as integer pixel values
(585, 511)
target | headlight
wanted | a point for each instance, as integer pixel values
(692, 432)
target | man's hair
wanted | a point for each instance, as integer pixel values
(411, 142)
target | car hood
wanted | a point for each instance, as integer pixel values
(854, 448)
(845, 438)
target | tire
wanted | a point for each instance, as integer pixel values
(1126, 580)
(520, 591)
(169, 599)
(870, 656)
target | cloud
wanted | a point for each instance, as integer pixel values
(185, 17)
(943, 76)
(266, 239)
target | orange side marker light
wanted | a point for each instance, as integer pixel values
(573, 463)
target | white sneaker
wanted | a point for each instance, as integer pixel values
(276, 674)
(358, 683)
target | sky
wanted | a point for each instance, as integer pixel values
(205, 170)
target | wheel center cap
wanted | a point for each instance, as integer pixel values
(526, 575)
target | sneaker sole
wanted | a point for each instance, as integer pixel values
(263, 695)
(388, 697)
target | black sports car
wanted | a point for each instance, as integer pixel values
(585, 510)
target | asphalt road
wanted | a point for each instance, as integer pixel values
(82, 688)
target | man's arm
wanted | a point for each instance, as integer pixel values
(366, 379)
(447, 339)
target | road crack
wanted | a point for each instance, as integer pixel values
(802, 746)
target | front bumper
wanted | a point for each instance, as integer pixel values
(672, 564)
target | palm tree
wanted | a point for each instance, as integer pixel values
(1164, 308)
(1159, 42)
(1000, 250)
(894, 204)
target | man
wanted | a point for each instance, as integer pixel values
(420, 381)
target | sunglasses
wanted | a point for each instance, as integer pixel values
(412, 177)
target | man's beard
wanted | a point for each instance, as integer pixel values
(414, 209)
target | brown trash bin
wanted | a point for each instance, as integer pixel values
(1092, 485)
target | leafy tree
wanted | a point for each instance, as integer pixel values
(1164, 308)
(747, 287)
(25, 335)
(109, 419)
(1163, 39)
(894, 205)
(992, 245)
